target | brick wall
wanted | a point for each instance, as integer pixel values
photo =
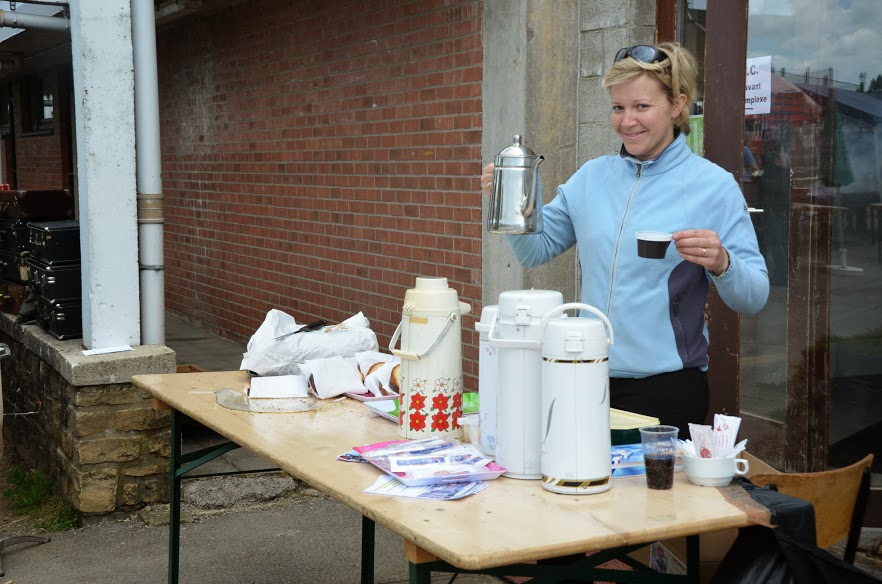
(317, 157)
(41, 162)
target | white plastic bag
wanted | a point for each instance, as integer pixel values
(273, 350)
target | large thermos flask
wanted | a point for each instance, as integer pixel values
(575, 402)
(488, 381)
(515, 333)
(430, 402)
(516, 194)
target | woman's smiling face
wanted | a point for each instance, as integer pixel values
(643, 117)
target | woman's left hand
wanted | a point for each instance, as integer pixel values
(702, 247)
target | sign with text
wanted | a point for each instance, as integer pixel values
(758, 86)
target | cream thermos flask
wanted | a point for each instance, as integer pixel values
(430, 402)
(515, 333)
(575, 441)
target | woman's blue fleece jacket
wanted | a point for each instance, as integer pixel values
(656, 307)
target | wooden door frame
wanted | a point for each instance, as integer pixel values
(723, 123)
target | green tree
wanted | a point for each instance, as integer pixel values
(875, 84)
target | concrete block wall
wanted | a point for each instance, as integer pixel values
(317, 159)
(79, 420)
(605, 26)
(544, 62)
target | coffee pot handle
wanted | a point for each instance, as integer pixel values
(573, 306)
(509, 343)
(413, 356)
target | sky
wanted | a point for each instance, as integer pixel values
(843, 34)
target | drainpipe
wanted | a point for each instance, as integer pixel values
(15, 19)
(150, 205)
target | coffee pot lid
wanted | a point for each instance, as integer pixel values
(535, 303)
(517, 154)
(429, 294)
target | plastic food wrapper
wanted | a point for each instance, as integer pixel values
(378, 369)
(333, 376)
(276, 347)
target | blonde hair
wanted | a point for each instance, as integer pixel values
(676, 74)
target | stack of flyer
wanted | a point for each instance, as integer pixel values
(433, 468)
(431, 461)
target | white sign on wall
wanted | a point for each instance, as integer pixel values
(758, 86)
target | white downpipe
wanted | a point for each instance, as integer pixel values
(16, 19)
(150, 206)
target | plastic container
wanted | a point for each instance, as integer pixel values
(516, 333)
(625, 426)
(575, 402)
(431, 360)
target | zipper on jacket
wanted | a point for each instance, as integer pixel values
(675, 306)
(615, 262)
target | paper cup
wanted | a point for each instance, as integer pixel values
(653, 244)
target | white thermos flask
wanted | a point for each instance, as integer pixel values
(515, 333)
(575, 402)
(488, 381)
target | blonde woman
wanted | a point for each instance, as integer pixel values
(659, 361)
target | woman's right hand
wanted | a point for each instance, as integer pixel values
(487, 178)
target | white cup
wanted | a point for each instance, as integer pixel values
(713, 472)
(471, 424)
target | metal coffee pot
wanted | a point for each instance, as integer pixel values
(516, 195)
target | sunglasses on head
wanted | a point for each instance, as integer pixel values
(642, 53)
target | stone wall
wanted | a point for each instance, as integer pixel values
(79, 419)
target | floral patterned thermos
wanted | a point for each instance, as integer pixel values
(431, 360)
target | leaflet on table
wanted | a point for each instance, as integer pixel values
(430, 461)
(387, 485)
(627, 460)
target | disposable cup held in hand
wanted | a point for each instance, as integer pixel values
(659, 452)
(713, 472)
(653, 244)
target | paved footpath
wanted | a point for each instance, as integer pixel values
(299, 538)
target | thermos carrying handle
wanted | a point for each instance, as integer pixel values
(418, 356)
(572, 306)
(509, 343)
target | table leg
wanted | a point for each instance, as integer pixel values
(418, 574)
(693, 560)
(368, 536)
(174, 501)
(180, 464)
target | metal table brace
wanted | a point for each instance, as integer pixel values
(184, 463)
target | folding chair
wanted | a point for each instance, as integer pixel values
(839, 497)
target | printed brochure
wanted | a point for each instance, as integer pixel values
(431, 461)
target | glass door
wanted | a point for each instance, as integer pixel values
(811, 361)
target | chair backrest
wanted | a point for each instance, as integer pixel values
(833, 493)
